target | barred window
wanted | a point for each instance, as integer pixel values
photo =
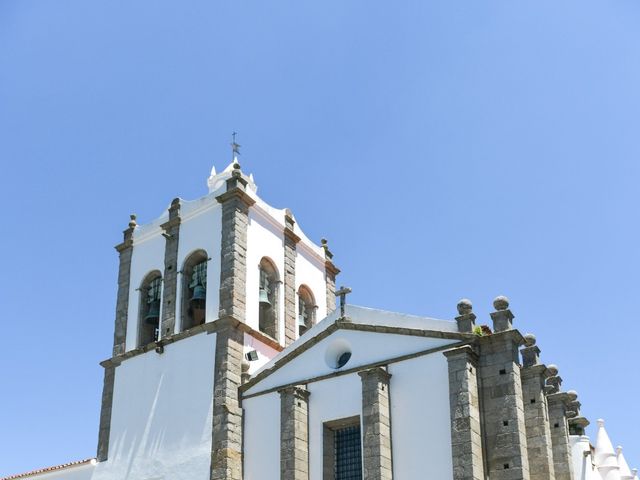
(342, 449)
(194, 290)
(348, 454)
(149, 311)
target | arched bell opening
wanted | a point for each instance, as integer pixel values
(268, 298)
(306, 309)
(149, 310)
(194, 290)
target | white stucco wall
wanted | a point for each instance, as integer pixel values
(264, 239)
(366, 348)
(420, 420)
(161, 422)
(148, 255)
(262, 437)
(331, 399)
(265, 352)
(200, 229)
(310, 272)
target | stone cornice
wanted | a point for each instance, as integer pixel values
(331, 268)
(290, 234)
(236, 192)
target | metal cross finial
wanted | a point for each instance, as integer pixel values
(342, 293)
(235, 147)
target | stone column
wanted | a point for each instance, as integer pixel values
(376, 425)
(536, 414)
(170, 277)
(105, 412)
(290, 314)
(233, 256)
(226, 448)
(330, 274)
(466, 437)
(294, 433)
(503, 422)
(125, 250)
(558, 402)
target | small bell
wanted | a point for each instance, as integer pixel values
(199, 297)
(153, 314)
(264, 299)
(302, 321)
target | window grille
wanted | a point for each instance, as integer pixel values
(348, 453)
(199, 276)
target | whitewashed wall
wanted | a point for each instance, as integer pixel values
(148, 255)
(200, 229)
(264, 239)
(262, 437)
(310, 272)
(162, 414)
(420, 421)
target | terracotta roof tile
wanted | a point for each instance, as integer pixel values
(51, 469)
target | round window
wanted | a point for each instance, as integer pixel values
(338, 353)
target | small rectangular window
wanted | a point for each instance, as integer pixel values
(342, 447)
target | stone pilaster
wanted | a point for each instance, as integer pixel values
(105, 412)
(226, 448)
(539, 446)
(170, 282)
(290, 313)
(125, 250)
(376, 425)
(294, 433)
(503, 419)
(562, 462)
(330, 274)
(233, 256)
(466, 437)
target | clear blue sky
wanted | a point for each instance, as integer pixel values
(446, 149)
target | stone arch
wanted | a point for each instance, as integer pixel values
(268, 297)
(193, 304)
(306, 309)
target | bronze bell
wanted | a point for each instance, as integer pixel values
(199, 297)
(153, 314)
(264, 298)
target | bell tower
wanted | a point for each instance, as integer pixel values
(220, 285)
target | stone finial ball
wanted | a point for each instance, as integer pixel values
(529, 340)
(501, 303)
(553, 369)
(465, 306)
(573, 394)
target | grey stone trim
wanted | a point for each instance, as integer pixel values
(539, 446)
(347, 325)
(226, 445)
(104, 430)
(530, 356)
(170, 283)
(502, 411)
(330, 274)
(562, 464)
(328, 443)
(125, 251)
(290, 313)
(207, 328)
(466, 322)
(233, 255)
(294, 433)
(376, 425)
(466, 435)
(502, 320)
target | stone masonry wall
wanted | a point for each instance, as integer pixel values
(170, 276)
(294, 434)
(104, 429)
(290, 313)
(376, 425)
(466, 436)
(562, 462)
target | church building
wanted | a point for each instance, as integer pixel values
(236, 357)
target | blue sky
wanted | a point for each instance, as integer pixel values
(445, 148)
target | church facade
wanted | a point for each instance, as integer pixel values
(232, 360)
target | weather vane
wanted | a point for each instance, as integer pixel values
(235, 147)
